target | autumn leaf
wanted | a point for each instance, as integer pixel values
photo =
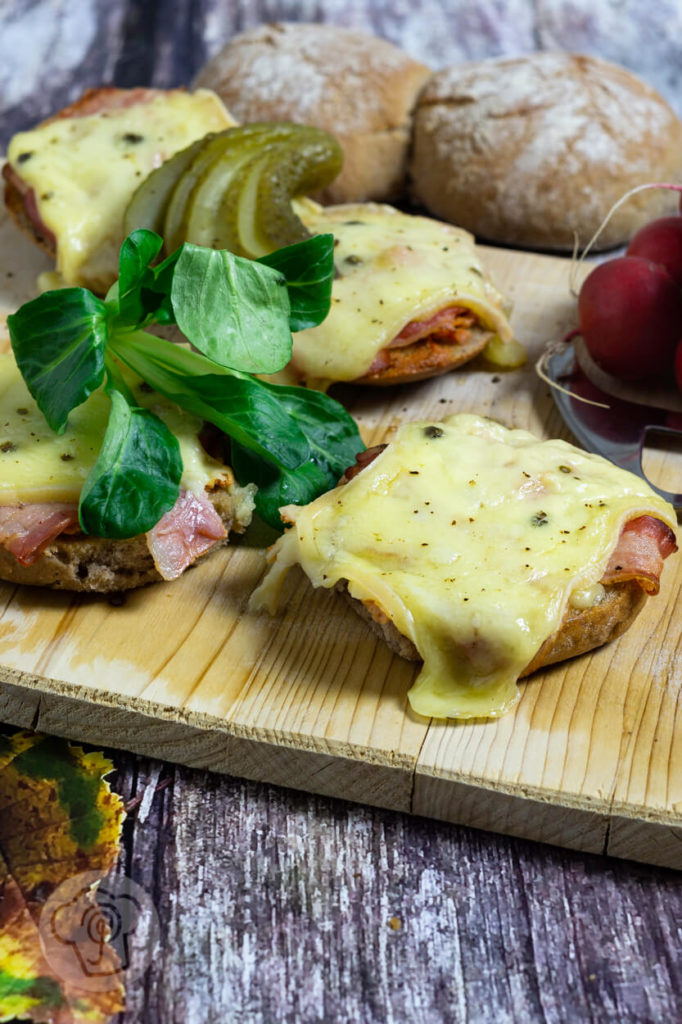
(59, 820)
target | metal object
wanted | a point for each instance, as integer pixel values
(618, 432)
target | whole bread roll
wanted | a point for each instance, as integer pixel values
(360, 88)
(534, 150)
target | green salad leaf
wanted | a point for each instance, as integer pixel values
(235, 311)
(305, 267)
(239, 314)
(59, 341)
(136, 477)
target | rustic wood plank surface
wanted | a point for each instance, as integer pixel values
(278, 906)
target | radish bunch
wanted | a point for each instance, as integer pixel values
(630, 307)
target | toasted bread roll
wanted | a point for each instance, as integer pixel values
(582, 629)
(69, 180)
(483, 552)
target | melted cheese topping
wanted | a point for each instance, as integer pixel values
(84, 171)
(38, 465)
(471, 538)
(391, 268)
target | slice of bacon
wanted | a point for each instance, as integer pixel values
(438, 333)
(184, 533)
(642, 546)
(27, 530)
(362, 460)
(452, 323)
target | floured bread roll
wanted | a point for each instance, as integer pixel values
(360, 88)
(533, 150)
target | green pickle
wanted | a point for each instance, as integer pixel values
(147, 208)
(234, 189)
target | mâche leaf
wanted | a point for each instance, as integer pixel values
(234, 310)
(241, 406)
(334, 441)
(58, 341)
(142, 291)
(136, 477)
(309, 271)
(138, 251)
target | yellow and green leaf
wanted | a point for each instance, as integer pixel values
(58, 818)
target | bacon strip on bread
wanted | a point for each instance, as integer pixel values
(426, 348)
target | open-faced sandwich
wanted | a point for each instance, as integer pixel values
(485, 552)
(411, 299)
(42, 540)
(69, 180)
(105, 482)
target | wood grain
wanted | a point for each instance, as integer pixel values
(311, 699)
(279, 906)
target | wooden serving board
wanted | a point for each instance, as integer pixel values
(590, 758)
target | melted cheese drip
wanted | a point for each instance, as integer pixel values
(392, 268)
(471, 538)
(38, 465)
(84, 171)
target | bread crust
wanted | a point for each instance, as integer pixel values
(534, 150)
(14, 203)
(100, 565)
(581, 630)
(359, 87)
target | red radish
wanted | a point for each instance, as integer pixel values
(661, 242)
(630, 312)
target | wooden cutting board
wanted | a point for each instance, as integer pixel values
(590, 758)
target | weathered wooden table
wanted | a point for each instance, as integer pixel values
(279, 906)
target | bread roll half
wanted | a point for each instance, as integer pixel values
(100, 565)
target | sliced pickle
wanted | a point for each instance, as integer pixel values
(297, 172)
(200, 224)
(255, 214)
(173, 225)
(147, 208)
(234, 189)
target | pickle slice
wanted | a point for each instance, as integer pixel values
(147, 208)
(234, 189)
(200, 219)
(298, 172)
(256, 215)
(173, 225)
